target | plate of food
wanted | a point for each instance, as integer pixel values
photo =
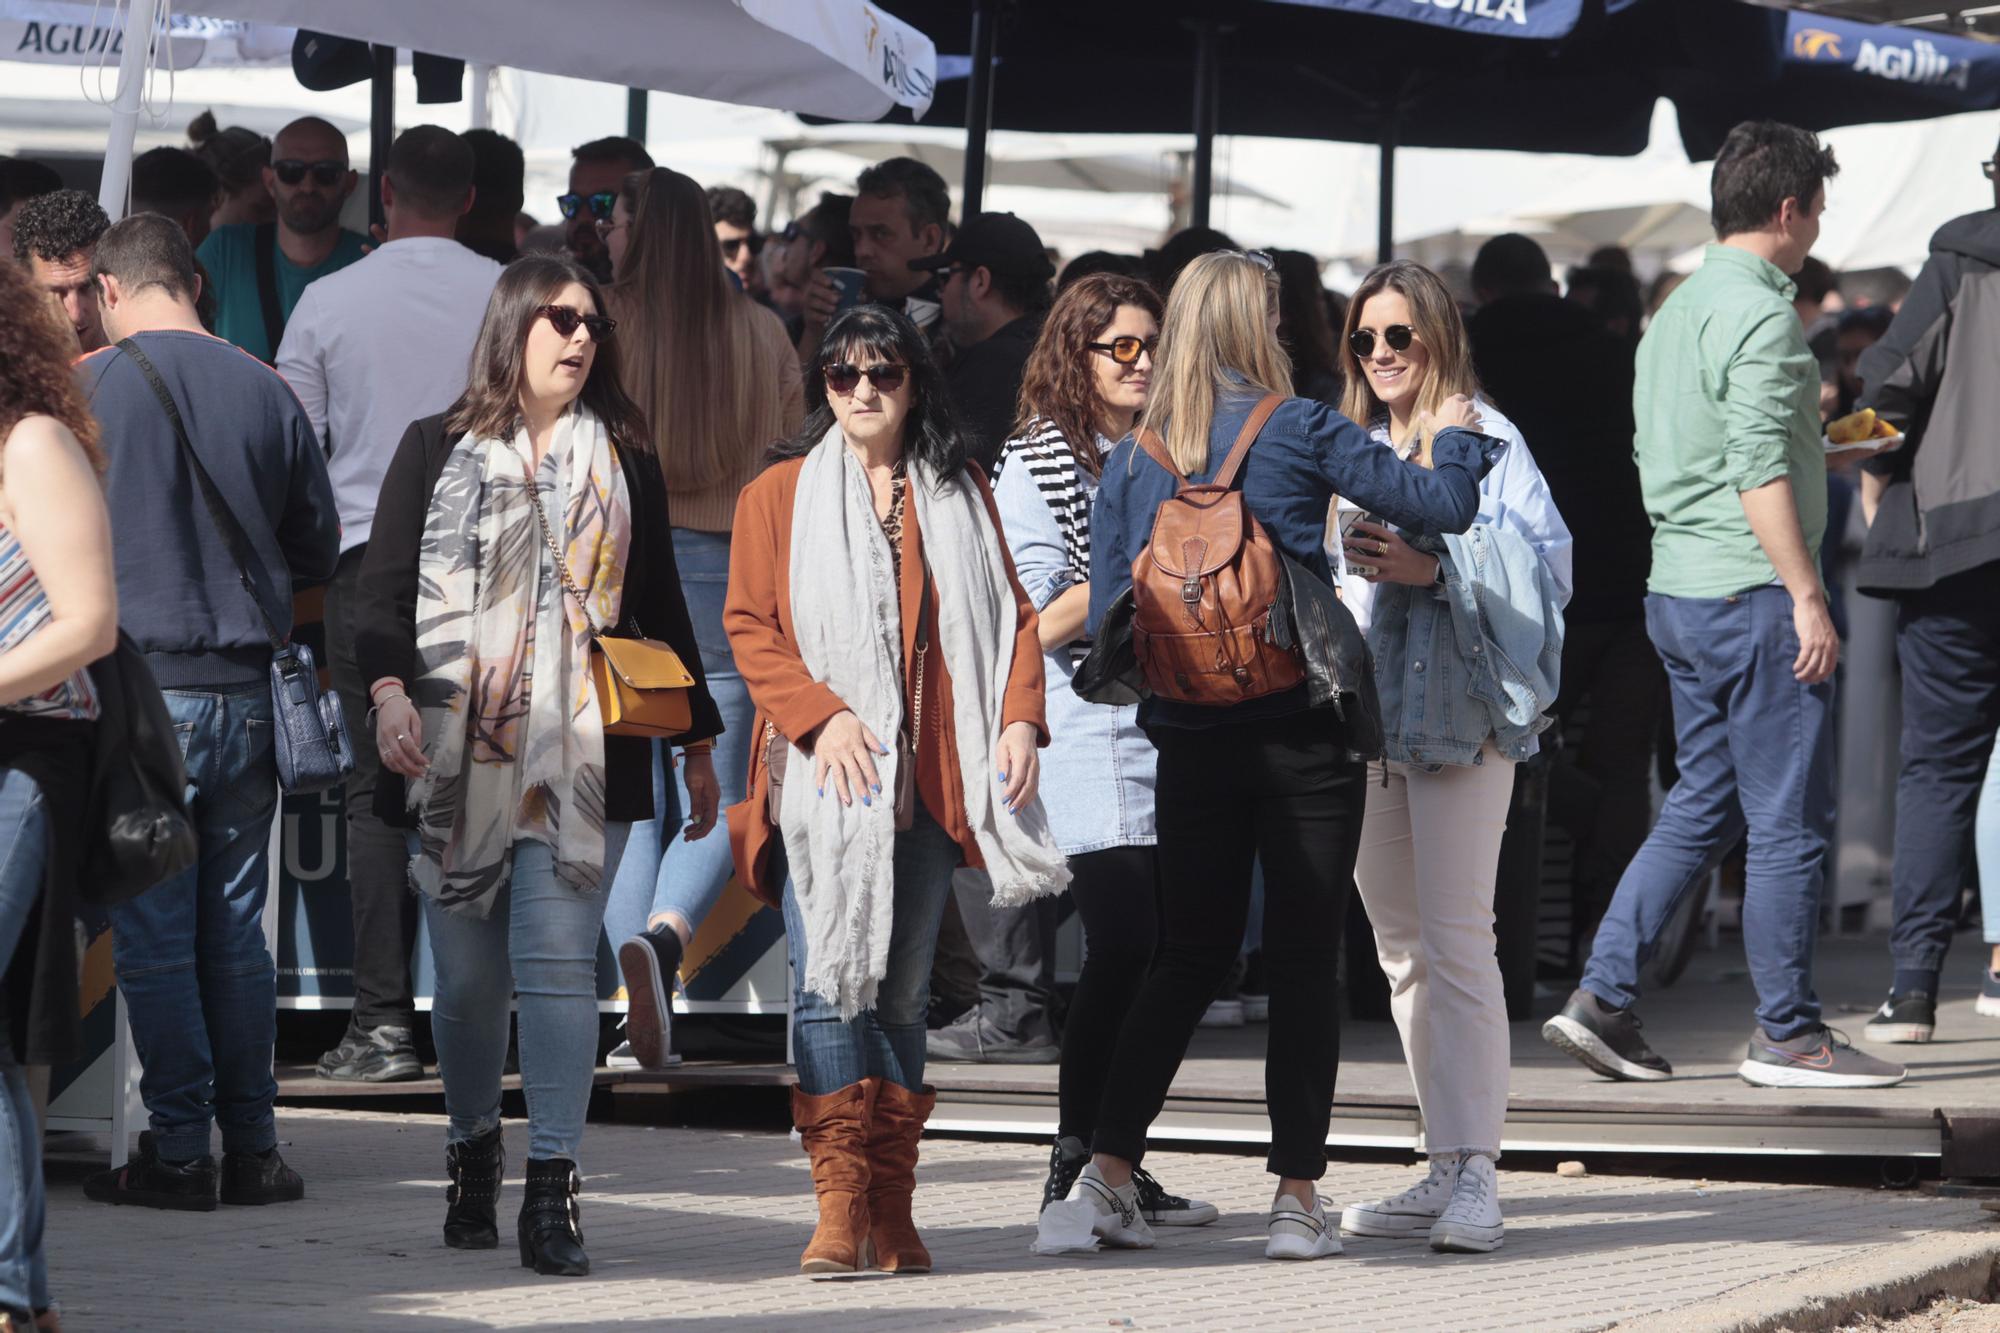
(1861, 430)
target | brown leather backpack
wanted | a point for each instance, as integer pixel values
(1205, 588)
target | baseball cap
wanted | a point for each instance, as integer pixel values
(997, 241)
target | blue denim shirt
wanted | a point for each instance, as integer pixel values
(1307, 453)
(1480, 658)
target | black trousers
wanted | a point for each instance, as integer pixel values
(1284, 791)
(1116, 892)
(378, 860)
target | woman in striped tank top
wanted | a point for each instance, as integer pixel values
(58, 614)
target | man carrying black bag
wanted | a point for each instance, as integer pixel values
(198, 981)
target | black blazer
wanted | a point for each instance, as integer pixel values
(385, 640)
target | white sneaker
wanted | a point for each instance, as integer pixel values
(1295, 1233)
(1471, 1221)
(1117, 1222)
(621, 1057)
(1223, 1014)
(1409, 1214)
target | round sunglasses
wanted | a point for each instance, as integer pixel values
(1398, 336)
(844, 378)
(565, 321)
(599, 204)
(1126, 348)
(326, 173)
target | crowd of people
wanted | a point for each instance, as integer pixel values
(998, 588)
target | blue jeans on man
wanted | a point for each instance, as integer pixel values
(1756, 753)
(199, 982)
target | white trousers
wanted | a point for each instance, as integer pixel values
(1430, 849)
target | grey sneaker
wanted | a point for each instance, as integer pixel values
(1604, 1039)
(973, 1040)
(374, 1055)
(1820, 1058)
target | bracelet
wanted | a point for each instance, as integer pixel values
(376, 706)
(396, 681)
(699, 747)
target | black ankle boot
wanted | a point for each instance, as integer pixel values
(551, 1224)
(476, 1167)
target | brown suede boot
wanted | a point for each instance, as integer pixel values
(893, 1131)
(835, 1129)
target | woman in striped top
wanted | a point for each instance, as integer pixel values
(58, 614)
(1085, 384)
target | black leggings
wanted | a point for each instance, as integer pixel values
(1117, 895)
(1283, 790)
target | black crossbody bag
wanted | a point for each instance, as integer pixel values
(313, 749)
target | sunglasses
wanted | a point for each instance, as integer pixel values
(1261, 258)
(565, 321)
(599, 203)
(735, 244)
(1399, 337)
(844, 378)
(791, 233)
(290, 171)
(1125, 350)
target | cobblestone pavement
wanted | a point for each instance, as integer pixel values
(702, 1228)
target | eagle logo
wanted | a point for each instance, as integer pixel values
(1816, 44)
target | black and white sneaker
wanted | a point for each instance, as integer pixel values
(649, 962)
(1066, 1162)
(1604, 1039)
(1294, 1231)
(1170, 1210)
(383, 1054)
(1989, 994)
(1115, 1218)
(1821, 1058)
(1907, 1018)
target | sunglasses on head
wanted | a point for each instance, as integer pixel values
(565, 320)
(599, 203)
(734, 244)
(1125, 350)
(1261, 258)
(844, 378)
(1398, 336)
(290, 171)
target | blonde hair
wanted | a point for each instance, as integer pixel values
(1439, 327)
(1218, 320)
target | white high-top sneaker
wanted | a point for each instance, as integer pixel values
(1471, 1222)
(1411, 1213)
(1118, 1223)
(1294, 1231)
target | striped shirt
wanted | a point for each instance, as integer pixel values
(1051, 461)
(24, 610)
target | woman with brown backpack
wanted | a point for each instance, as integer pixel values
(1248, 769)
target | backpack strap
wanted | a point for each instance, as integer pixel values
(1245, 438)
(266, 245)
(1156, 449)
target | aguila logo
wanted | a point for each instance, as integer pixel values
(1816, 44)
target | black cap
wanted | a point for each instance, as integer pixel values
(997, 241)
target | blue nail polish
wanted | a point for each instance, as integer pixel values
(878, 789)
(822, 791)
(867, 800)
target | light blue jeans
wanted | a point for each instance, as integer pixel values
(24, 850)
(538, 946)
(1986, 832)
(659, 873)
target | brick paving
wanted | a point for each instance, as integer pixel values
(702, 1228)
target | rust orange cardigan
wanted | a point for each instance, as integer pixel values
(758, 618)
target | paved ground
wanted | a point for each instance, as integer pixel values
(703, 1228)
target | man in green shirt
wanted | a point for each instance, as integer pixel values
(1726, 405)
(309, 178)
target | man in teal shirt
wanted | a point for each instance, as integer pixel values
(1726, 404)
(310, 180)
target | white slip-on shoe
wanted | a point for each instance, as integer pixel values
(1409, 1214)
(1296, 1232)
(1471, 1222)
(1118, 1222)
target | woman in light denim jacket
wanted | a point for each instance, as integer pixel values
(1466, 633)
(1084, 386)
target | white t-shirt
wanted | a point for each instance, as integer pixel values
(383, 342)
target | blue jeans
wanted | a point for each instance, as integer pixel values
(1986, 832)
(686, 878)
(198, 982)
(1755, 752)
(24, 851)
(886, 1041)
(538, 946)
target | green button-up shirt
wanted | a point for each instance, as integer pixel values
(1726, 399)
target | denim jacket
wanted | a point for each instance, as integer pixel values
(1480, 658)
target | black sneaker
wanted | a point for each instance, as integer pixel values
(1169, 1210)
(148, 1182)
(251, 1178)
(1604, 1039)
(973, 1040)
(650, 962)
(1821, 1058)
(1910, 1017)
(1989, 994)
(373, 1055)
(1066, 1163)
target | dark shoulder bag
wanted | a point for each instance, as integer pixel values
(138, 786)
(311, 730)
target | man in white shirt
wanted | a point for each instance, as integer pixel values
(368, 350)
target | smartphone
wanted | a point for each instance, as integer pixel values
(1348, 518)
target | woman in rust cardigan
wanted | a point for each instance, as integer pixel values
(897, 673)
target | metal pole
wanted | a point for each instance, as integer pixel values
(117, 179)
(1385, 219)
(482, 94)
(381, 125)
(978, 107)
(1207, 90)
(635, 114)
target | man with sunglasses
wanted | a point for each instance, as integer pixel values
(596, 171)
(261, 269)
(735, 215)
